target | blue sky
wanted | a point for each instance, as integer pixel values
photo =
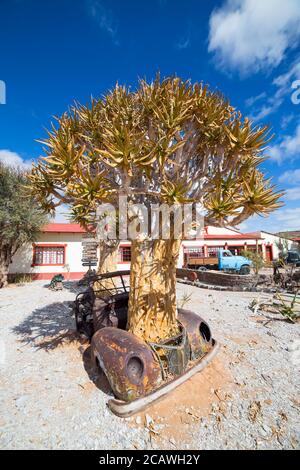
(55, 51)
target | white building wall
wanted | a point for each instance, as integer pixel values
(274, 240)
(22, 261)
(210, 230)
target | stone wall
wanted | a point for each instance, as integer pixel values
(216, 278)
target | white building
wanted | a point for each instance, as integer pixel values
(59, 249)
(277, 243)
(58, 245)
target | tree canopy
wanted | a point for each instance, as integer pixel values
(21, 216)
(167, 141)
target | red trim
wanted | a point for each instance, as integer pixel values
(63, 228)
(50, 244)
(121, 254)
(48, 276)
(243, 244)
(243, 236)
(192, 246)
(47, 245)
(76, 228)
(269, 247)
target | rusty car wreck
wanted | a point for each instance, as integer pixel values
(139, 373)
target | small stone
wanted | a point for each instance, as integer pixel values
(20, 401)
(138, 420)
(149, 420)
(266, 428)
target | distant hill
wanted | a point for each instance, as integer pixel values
(289, 234)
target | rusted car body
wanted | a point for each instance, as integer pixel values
(138, 372)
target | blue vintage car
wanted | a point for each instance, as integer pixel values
(224, 261)
(230, 262)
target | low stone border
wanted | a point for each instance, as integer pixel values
(216, 278)
(230, 288)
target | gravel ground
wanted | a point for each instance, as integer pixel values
(50, 398)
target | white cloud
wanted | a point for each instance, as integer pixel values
(292, 194)
(13, 159)
(290, 218)
(104, 18)
(287, 149)
(286, 120)
(266, 110)
(183, 43)
(285, 80)
(290, 176)
(279, 221)
(250, 35)
(253, 99)
(283, 87)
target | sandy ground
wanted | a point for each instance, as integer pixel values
(50, 398)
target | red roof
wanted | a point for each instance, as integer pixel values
(63, 228)
(76, 228)
(239, 236)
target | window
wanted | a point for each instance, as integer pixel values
(125, 254)
(227, 254)
(213, 251)
(48, 255)
(253, 248)
(236, 250)
(197, 252)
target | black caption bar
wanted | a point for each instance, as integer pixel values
(136, 458)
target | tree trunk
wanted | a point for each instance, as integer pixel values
(5, 258)
(108, 262)
(152, 309)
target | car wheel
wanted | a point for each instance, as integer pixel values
(245, 270)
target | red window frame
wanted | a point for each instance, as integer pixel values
(125, 250)
(48, 247)
(194, 251)
(212, 251)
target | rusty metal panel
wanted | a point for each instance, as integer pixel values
(173, 354)
(127, 362)
(198, 331)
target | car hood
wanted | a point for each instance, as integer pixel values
(243, 260)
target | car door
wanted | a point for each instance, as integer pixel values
(228, 261)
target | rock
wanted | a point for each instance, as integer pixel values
(266, 429)
(138, 420)
(149, 420)
(21, 401)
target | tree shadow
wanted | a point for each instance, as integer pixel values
(72, 286)
(53, 326)
(95, 374)
(49, 327)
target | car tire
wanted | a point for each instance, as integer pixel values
(245, 269)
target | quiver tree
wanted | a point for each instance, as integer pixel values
(20, 217)
(167, 142)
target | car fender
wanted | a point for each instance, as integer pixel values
(128, 363)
